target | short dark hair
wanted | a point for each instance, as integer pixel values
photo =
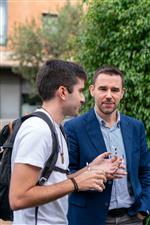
(110, 70)
(56, 73)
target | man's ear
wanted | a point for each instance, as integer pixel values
(62, 92)
(91, 89)
(123, 92)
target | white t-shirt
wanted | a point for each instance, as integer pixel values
(33, 146)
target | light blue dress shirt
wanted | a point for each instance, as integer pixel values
(121, 195)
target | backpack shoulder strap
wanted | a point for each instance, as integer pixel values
(50, 163)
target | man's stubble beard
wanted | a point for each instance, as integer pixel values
(107, 112)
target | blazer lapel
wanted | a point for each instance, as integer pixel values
(94, 132)
(126, 130)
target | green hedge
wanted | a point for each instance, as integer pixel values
(117, 32)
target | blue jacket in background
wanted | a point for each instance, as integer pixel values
(85, 144)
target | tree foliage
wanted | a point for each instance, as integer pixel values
(117, 32)
(32, 44)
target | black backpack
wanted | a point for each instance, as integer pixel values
(7, 137)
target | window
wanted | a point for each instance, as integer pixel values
(49, 20)
(48, 16)
(3, 22)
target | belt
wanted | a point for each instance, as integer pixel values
(117, 212)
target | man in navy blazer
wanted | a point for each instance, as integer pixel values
(104, 128)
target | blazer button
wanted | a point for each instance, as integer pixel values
(109, 182)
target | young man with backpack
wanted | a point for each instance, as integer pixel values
(60, 85)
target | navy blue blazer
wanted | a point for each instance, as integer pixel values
(85, 144)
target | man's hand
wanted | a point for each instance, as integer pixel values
(91, 180)
(140, 216)
(113, 167)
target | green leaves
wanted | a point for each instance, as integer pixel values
(117, 32)
(32, 44)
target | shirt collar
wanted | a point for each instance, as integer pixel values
(103, 122)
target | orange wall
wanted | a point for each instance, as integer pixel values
(21, 10)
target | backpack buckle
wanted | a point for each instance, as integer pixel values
(42, 180)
